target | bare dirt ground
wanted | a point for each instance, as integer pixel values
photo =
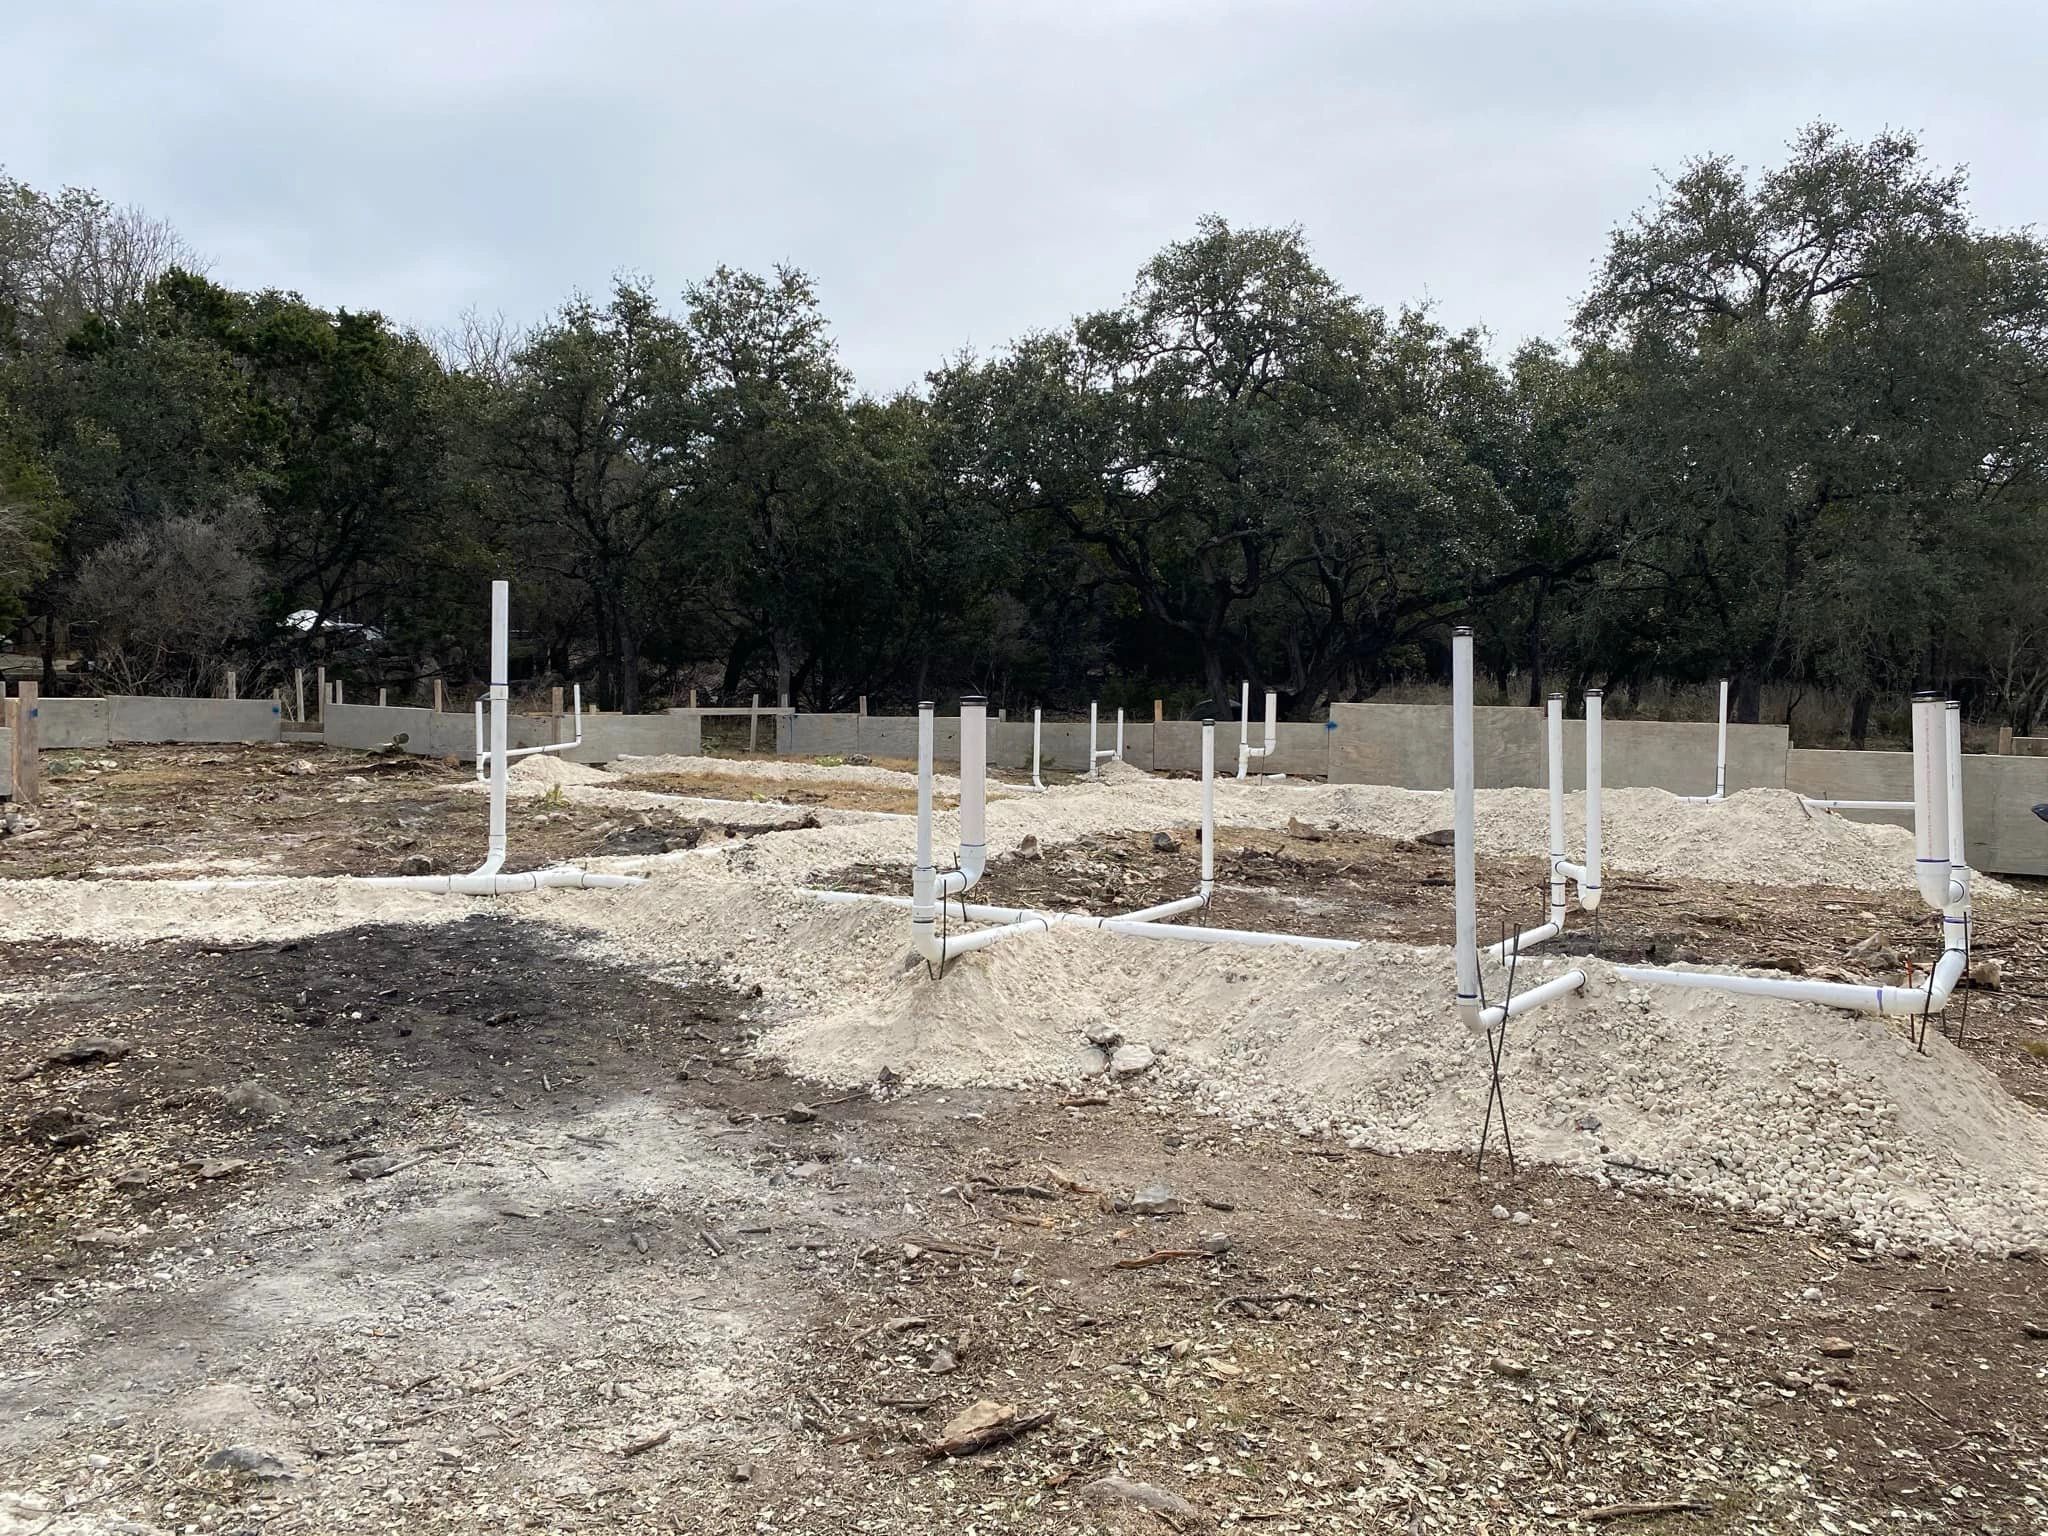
(449, 1229)
(455, 1228)
(174, 812)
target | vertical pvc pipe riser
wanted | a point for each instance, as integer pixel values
(1955, 917)
(1272, 721)
(1589, 884)
(1208, 808)
(1721, 748)
(1930, 801)
(1554, 769)
(1465, 897)
(1119, 735)
(1092, 758)
(1036, 727)
(973, 793)
(501, 703)
(923, 903)
(1244, 728)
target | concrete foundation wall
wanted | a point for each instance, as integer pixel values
(1302, 749)
(194, 720)
(1063, 744)
(427, 733)
(70, 724)
(430, 734)
(73, 723)
(2001, 833)
(1410, 745)
(608, 736)
(6, 763)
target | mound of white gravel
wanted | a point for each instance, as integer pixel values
(548, 769)
(1796, 1112)
(786, 769)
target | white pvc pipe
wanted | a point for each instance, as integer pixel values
(1937, 783)
(1720, 759)
(1832, 994)
(1930, 800)
(1721, 748)
(1465, 898)
(1245, 750)
(973, 798)
(1554, 777)
(501, 702)
(1855, 805)
(1208, 809)
(1589, 882)
(923, 875)
(1015, 920)
(1036, 728)
(485, 879)
(480, 884)
(1588, 874)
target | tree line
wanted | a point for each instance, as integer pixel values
(1795, 435)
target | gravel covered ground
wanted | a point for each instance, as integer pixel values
(642, 1210)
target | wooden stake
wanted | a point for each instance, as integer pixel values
(27, 761)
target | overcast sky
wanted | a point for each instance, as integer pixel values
(959, 173)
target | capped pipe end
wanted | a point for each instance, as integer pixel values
(924, 704)
(1596, 693)
(1923, 695)
(1557, 698)
(1208, 719)
(1462, 629)
(974, 698)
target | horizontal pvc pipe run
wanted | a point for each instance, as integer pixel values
(503, 885)
(1856, 805)
(1535, 997)
(1832, 994)
(1022, 919)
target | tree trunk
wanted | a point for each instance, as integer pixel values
(629, 668)
(1859, 718)
(1747, 706)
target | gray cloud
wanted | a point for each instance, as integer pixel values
(957, 173)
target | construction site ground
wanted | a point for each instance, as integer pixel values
(456, 1227)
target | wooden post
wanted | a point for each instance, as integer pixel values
(2005, 741)
(754, 724)
(555, 703)
(337, 690)
(27, 763)
(383, 697)
(440, 695)
(693, 698)
(299, 693)
(863, 705)
(1158, 710)
(231, 683)
(320, 689)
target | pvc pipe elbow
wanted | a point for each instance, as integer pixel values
(973, 860)
(1934, 881)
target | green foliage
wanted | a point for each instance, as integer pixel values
(1799, 439)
